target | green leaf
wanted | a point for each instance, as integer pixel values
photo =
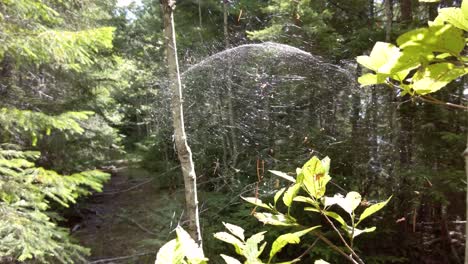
(333, 215)
(278, 195)
(381, 54)
(371, 79)
(315, 177)
(230, 239)
(290, 238)
(235, 230)
(277, 219)
(437, 38)
(453, 16)
(432, 78)
(257, 202)
(171, 252)
(358, 232)
(372, 210)
(290, 194)
(191, 249)
(464, 8)
(283, 175)
(304, 199)
(230, 260)
(251, 250)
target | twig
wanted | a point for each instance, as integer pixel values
(359, 260)
(138, 225)
(308, 249)
(337, 249)
(120, 258)
(432, 100)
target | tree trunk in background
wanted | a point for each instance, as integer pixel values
(183, 150)
(466, 225)
(388, 21)
(232, 125)
(406, 11)
(371, 13)
(200, 21)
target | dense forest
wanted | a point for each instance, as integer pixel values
(173, 128)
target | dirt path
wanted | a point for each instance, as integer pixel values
(130, 220)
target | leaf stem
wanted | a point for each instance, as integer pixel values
(359, 260)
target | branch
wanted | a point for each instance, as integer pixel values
(337, 249)
(432, 100)
(359, 260)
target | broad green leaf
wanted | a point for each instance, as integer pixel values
(372, 210)
(437, 38)
(290, 238)
(381, 54)
(290, 194)
(275, 219)
(435, 76)
(230, 260)
(251, 250)
(235, 230)
(304, 199)
(191, 249)
(333, 215)
(278, 195)
(348, 203)
(257, 202)
(283, 175)
(358, 232)
(371, 79)
(453, 16)
(171, 252)
(228, 238)
(315, 177)
(464, 8)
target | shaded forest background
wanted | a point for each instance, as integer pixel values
(245, 110)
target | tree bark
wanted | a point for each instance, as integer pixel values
(466, 226)
(389, 18)
(406, 11)
(180, 137)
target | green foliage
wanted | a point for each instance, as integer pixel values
(40, 42)
(183, 249)
(26, 191)
(311, 179)
(426, 59)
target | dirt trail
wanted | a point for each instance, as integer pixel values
(129, 221)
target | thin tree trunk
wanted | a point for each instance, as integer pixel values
(466, 226)
(406, 11)
(183, 150)
(389, 18)
(232, 126)
(200, 21)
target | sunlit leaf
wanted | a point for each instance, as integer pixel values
(230, 239)
(257, 202)
(171, 252)
(230, 260)
(453, 16)
(235, 230)
(333, 215)
(275, 219)
(372, 210)
(278, 195)
(283, 175)
(381, 54)
(435, 76)
(290, 238)
(371, 79)
(290, 193)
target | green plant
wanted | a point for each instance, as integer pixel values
(27, 192)
(309, 186)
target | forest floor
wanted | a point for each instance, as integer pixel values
(129, 220)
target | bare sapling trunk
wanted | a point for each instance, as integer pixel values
(389, 18)
(180, 137)
(466, 224)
